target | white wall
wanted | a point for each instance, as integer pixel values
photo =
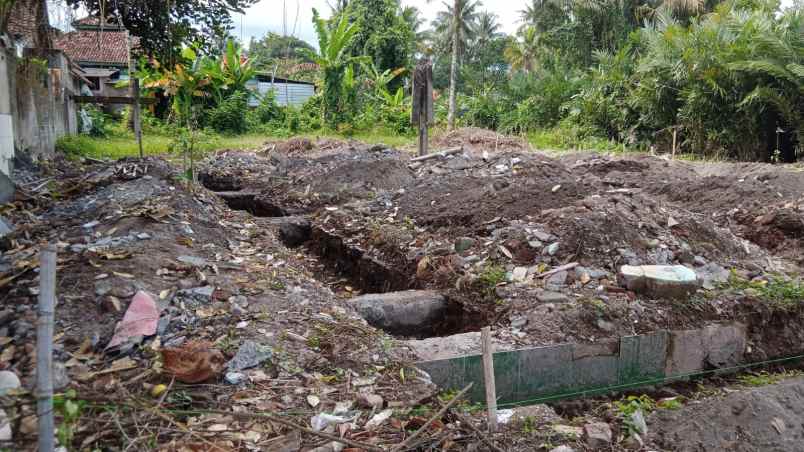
(6, 122)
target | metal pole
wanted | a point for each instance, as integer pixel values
(44, 347)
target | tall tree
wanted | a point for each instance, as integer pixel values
(384, 34)
(163, 26)
(521, 52)
(463, 14)
(267, 52)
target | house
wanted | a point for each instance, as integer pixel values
(286, 92)
(102, 52)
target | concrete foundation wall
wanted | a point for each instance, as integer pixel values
(6, 124)
(44, 110)
(568, 370)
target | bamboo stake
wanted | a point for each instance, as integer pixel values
(488, 378)
(437, 154)
(44, 347)
(675, 132)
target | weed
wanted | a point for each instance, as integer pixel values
(491, 276)
(669, 404)
(764, 378)
(629, 405)
(529, 424)
(777, 291)
(66, 406)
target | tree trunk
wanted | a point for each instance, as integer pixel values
(453, 69)
(42, 36)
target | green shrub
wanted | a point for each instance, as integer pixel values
(230, 116)
(267, 111)
(98, 124)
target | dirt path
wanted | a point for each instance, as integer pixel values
(768, 418)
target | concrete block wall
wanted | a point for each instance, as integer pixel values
(568, 370)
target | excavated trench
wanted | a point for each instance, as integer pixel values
(362, 272)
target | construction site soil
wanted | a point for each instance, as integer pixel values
(273, 244)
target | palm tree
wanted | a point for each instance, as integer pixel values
(486, 28)
(333, 59)
(463, 14)
(521, 53)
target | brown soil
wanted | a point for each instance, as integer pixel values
(766, 418)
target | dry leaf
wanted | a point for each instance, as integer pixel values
(193, 362)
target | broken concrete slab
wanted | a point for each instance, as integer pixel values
(547, 296)
(714, 346)
(660, 281)
(711, 275)
(435, 348)
(407, 312)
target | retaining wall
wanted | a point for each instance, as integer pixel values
(569, 369)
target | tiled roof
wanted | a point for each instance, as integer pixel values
(93, 22)
(91, 46)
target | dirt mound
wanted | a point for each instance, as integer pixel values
(472, 138)
(766, 419)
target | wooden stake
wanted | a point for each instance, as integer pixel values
(135, 91)
(675, 131)
(488, 378)
(422, 135)
(44, 347)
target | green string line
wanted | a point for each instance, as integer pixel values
(647, 382)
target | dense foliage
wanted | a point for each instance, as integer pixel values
(164, 27)
(722, 78)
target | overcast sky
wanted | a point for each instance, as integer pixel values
(267, 16)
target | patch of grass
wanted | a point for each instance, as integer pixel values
(764, 378)
(118, 146)
(558, 139)
(491, 276)
(777, 291)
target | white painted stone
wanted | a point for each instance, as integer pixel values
(660, 281)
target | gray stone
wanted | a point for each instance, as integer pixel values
(234, 378)
(562, 449)
(250, 354)
(556, 280)
(542, 236)
(520, 274)
(5, 316)
(711, 275)
(370, 401)
(5, 227)
(8, 382)
(519, 322)
(195, 261)
(407, 312)
(659, 281)
(60, 378)
(552, 297)
(606, 326)
(5, 427)
(21, 328)
(203, 293)
(114, 287)
(551, 249)
(464, 243)
(6, 188)
(699, 261)
(597, 435)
